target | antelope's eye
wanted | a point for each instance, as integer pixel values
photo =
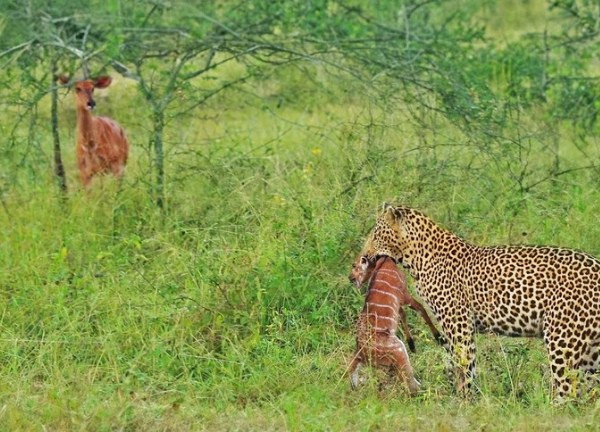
(77, 90)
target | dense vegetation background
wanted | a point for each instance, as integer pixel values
(210, 290)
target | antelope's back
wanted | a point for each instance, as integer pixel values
(382, 303)
(112, 141)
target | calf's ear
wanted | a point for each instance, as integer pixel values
(102, 81)
(62, 78)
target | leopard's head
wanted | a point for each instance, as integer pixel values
(398, 233)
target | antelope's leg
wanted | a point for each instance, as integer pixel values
(406, 330)
(354, 368)
(403, 368)
(415, 305)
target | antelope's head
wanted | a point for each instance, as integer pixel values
(361, 271)
(84, 90)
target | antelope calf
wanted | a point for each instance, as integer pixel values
(376, 340)
(362, 270)
(102, 146)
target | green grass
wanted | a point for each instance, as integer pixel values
(232, 310)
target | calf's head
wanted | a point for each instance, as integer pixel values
(362, 269)
(84, 89)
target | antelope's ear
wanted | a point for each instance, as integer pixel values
(62, 78)
(102, 81)
(364, 261)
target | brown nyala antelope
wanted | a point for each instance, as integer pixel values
(376, 340)
(102, 146)
(362, 271)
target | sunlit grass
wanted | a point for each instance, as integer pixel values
(232, 310)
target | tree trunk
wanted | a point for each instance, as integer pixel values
(59, 168)
(157, 138)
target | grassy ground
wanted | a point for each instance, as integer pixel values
(231, 310)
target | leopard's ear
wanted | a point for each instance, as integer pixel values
(385, 206)
(390, 214)
(399, 212)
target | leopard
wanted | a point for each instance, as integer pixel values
(547, 292)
